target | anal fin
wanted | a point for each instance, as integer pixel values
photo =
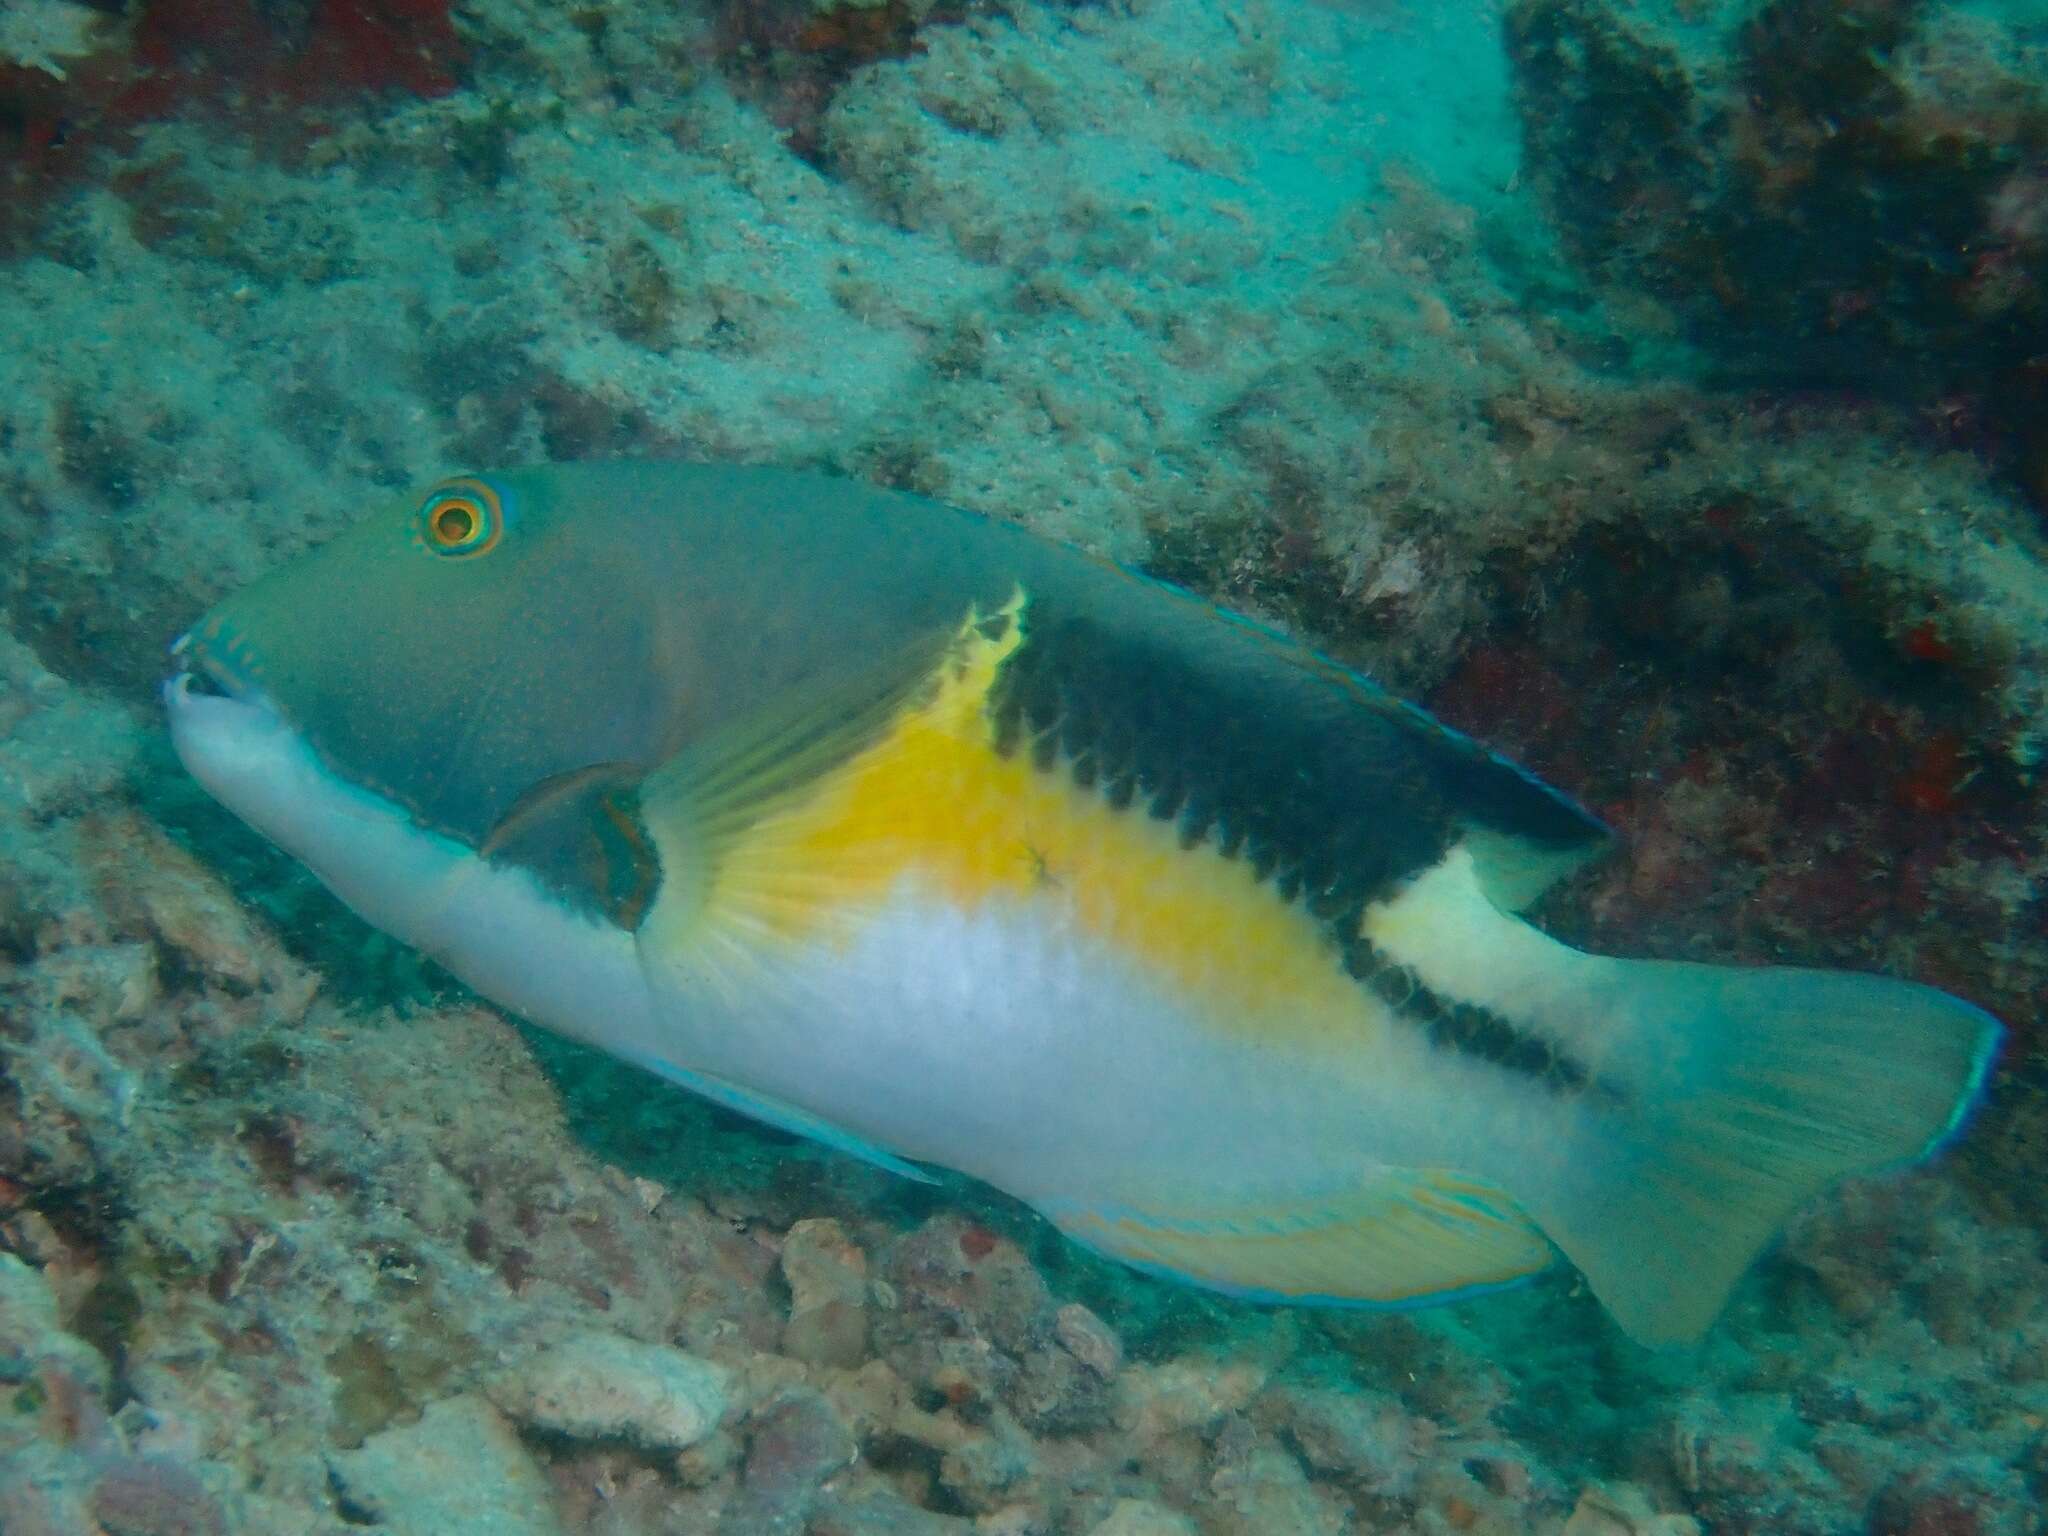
(1404, 1237)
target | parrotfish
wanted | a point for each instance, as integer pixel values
(906, 830)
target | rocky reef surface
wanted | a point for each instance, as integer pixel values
(1654, 393)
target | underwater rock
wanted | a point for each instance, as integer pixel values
(63, 1466)
(155, 1496)
(60, 747)
(879, 1511)
(972, 1322)
(1141, 1517)
(459, 1471)
(36, 1499)
(603, 1386)
(954, 1268)
(78, 80)
(32, 1341)
(794, 55)
(1089, 1339)
(1015, 1520)
(795, 1443)
(992, 1466)
(1850, 198)
(1055, 1394)
(152, 887)
(828, 1281)
(1258, 1488)
(1363, 1437)
(1624, 1510)
(1193, 1392)
(48, 35)
(1955, 1500)
(870, 1400)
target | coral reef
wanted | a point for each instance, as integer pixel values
(295, 1238)
(48, 35)
(794, 55)
(1848, 196)
(76, 80)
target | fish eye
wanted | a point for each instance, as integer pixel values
(461, 518)
(455, 522)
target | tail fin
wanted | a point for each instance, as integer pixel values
(1741, 1094)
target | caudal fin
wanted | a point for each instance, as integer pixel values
(1737, 1096)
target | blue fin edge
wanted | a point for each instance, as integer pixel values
(784, 1117)
(1989, 1039)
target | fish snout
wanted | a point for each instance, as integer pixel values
(212, 661)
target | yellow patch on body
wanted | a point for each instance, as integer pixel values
(932, 800)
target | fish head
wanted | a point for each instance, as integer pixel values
(480, 663)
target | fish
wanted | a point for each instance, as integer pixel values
(908, 831)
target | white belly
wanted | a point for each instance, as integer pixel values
(1007, 1043)
(1004, 1041)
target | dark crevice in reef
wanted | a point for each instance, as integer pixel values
(276, 74)
(1790, 770)
(792, 56)
(1856, 202)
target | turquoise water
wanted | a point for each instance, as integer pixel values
(1655, 392)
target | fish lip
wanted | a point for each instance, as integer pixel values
(202, 673)
(202, 684)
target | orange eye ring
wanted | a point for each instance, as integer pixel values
(461, 519)
(455, 523)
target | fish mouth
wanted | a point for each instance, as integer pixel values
(232, 739)
(209, 700)
(203, 683)
(202, 671)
